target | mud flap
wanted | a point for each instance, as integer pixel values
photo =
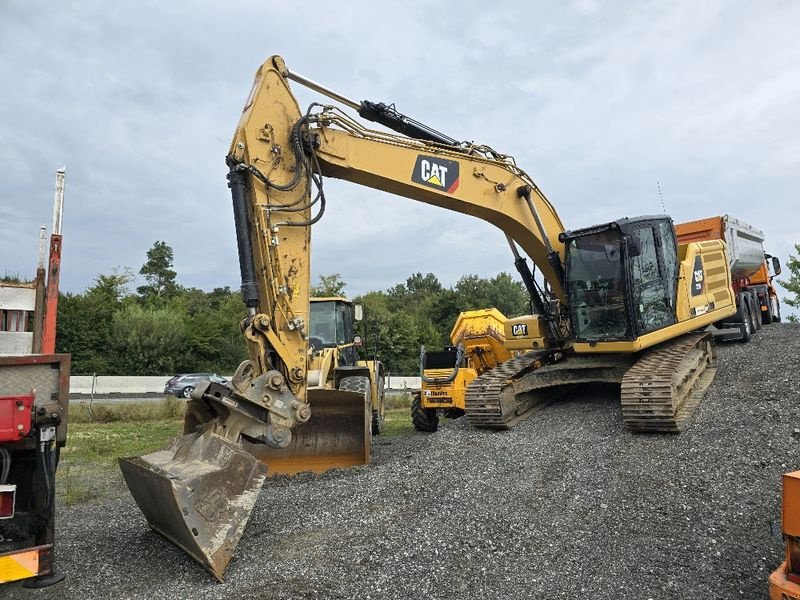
(337, 435)
(198, 494)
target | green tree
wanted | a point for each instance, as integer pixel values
(158, 273)
(329, 285)
(792, 284)
(85, 323)
(213, 337)
(149, 341)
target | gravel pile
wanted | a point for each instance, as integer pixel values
(566, 505)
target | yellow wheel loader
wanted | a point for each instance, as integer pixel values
(339, 436)
(622, 301)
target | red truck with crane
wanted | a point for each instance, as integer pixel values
(34, 396)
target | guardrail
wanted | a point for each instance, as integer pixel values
(108, 385)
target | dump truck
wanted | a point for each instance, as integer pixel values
(34, 398)
(752, 271)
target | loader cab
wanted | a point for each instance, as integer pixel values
(331, 324)
(621, 278)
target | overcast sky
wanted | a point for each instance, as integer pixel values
(597, 101)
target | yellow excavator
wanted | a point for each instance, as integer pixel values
(621, 301)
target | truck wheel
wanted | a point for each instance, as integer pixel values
(776, 310)
(755, 311)
(379, 413)
(766, 315)
(361, 385)
(424, 419)
(746, 326)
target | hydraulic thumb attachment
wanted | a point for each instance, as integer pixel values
(200, 492)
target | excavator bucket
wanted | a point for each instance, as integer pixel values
(198, 494)
(337, 435)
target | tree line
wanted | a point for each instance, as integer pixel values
(164, 328)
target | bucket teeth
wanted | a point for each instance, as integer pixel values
(198, 494)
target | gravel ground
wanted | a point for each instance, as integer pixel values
(566, 505)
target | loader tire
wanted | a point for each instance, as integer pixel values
(424, 419)
(379, 413)
(361, 385)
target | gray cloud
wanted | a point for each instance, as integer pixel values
(597, 101)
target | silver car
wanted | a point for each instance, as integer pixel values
(182, 385)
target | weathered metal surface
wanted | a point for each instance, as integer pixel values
(48, 374)
(337, 435)
(198, 494)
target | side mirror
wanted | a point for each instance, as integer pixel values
(634, 247)
(358, 309)
(776, 265)
(357, 341)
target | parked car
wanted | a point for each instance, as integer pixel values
(183, 384)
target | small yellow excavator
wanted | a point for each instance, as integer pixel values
(478, 344)
(622, 301)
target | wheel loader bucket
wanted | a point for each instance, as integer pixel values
(337, 435)
(198, 494)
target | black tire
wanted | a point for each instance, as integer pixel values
(755, 311)
(776, 316)
(379, 414)
(424, 419)
(187, 392)
(766, 316)
(746, 326)
(360, 384)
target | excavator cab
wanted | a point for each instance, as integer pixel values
(609, 268)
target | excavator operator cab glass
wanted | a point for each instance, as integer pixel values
(621, 279)
(596, 286)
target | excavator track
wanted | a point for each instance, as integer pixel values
(663, 389)
(484, 404)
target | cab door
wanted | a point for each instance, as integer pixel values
(653, 276)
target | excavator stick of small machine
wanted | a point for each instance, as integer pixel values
(200, 492)
(337, 436)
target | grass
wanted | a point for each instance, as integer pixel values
(170, 408)
(99, 434)
(88, 468)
